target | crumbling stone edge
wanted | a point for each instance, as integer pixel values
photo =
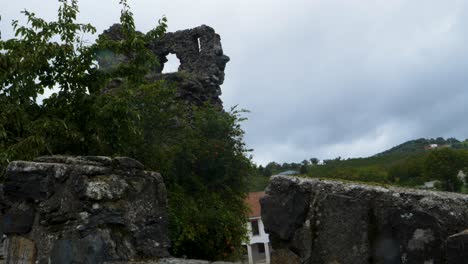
(322, 221)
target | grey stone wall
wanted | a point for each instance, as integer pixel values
(61, 209)
(315, 221)
(202, 62)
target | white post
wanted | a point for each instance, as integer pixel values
(249, 252)
(267, 252)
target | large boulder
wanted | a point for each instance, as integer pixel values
(83, 210)
(321, 221)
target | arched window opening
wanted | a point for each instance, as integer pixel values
(172, 64)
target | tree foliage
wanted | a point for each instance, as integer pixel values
(444, 165)
(199, 150)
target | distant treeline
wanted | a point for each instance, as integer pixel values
(410, 164)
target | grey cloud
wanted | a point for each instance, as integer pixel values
(324, 78)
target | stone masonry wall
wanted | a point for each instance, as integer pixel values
(202, 62)
(83, 210)
(316, 221)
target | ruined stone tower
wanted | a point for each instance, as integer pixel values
(202, 62)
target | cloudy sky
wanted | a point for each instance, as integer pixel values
(322, 78)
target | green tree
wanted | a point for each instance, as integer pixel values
(314, 161)
(260, 169)
(267, 172)
(272, 168)
(410, 171)
(444, 165)
(43, 56)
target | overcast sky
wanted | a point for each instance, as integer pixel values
(322, 78)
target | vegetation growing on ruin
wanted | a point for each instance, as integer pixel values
(199, 150)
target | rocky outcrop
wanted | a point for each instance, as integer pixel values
(83, 210)
(202, 62)
(317, 221)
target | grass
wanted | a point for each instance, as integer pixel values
(465, 189)
(258, 183)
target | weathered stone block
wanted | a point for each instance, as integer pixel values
(17, 223)
(91, 249)
(282, 256)
(339, 219)
(86, 209)
(457, 248)
(20, 250)
(30, 182)
(335, 222)
(288, 209)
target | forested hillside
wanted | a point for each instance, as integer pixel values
(419, 145)
(409, 164)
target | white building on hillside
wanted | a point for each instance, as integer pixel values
(258, 248)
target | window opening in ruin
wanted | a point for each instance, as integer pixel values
(172, 64)
(199, 44)
(255, 229)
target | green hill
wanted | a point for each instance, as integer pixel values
(418, 146)
(404, 164)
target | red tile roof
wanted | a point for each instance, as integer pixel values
(253, 201)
